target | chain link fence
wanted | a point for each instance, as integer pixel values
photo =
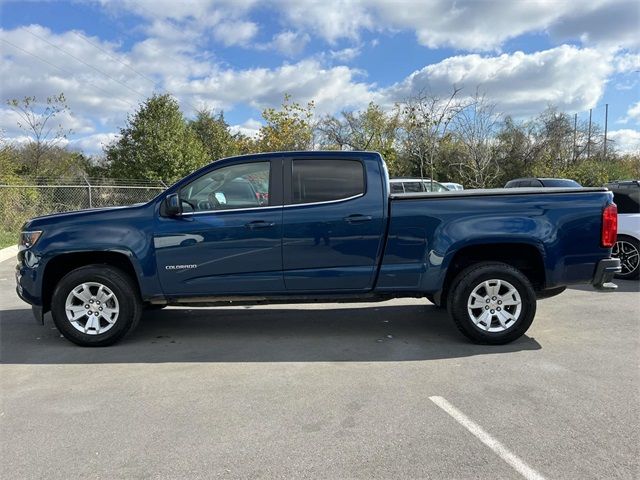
(22, 198)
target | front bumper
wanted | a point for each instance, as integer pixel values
(28, 284)
(605, 270)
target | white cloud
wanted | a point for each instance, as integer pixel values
(331, 88)
(235, 32)
(346, 54)
(633, 114)
(625, 140)
(521, 84)
(605, 23)
(469, 24)
(288, 43)
(627, 62)
(93, 144)
(250, 128)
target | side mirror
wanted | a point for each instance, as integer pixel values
(173, 205)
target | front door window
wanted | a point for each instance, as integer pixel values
(237, 186)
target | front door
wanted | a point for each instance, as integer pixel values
(228, 239)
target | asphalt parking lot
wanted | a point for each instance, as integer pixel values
(325, 391)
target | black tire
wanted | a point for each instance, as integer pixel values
(122, 287)
(471, 278)
(625, 256)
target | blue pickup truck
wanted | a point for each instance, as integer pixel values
(294, 227)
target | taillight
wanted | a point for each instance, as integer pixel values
(609, 226)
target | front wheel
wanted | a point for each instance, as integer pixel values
(95, 305)
(492, 303)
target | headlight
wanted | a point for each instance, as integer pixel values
(29, 239)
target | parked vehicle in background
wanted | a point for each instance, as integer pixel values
(542, 182)
(415, 185)
(452, 186)
(626, 195)
(293, 227)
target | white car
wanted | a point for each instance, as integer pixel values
(626, 195)
(415, 185)
(452, 186)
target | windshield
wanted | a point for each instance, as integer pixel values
(561, 182)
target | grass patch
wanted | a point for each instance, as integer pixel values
(8, 238)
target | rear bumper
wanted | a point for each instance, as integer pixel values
(605, 270)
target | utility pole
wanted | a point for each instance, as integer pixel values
(606, 121)
(575, 130)
(589, 136)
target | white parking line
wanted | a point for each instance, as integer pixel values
(503, 452)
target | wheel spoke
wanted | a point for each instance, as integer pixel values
(486, 319)
(84, 294)
(479, 300)
(77, 312)
(504, 318)
(93, 323)
(108, 314)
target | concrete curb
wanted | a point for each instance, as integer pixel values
(9, 252)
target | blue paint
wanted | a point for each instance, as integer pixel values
(397, 246)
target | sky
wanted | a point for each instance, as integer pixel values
(241, 56)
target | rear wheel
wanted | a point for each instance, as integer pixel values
(95, 306)
(627, 249)
(492, 303)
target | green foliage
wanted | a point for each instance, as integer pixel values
(288, 128)
(213, 131)
(157, 144)
(7, 238)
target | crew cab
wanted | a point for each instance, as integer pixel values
(293, 227)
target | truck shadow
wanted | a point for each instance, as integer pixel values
(380, 333)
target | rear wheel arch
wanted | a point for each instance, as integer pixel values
(525, 257)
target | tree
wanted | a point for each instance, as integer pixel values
(289, 128)
(156, 143)
(213, 131)
(475, 129)
(371, 129)
(426, 121)
(41, 122)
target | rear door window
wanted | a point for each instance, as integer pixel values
(326, 180)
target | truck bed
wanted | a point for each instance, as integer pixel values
(494, 191)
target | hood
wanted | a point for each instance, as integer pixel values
(92, 214)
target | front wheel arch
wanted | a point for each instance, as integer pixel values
(60, 265)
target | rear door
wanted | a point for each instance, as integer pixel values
(333, 223)
(229, 238)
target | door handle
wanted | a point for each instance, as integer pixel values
(357, 218)
(259, 224)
